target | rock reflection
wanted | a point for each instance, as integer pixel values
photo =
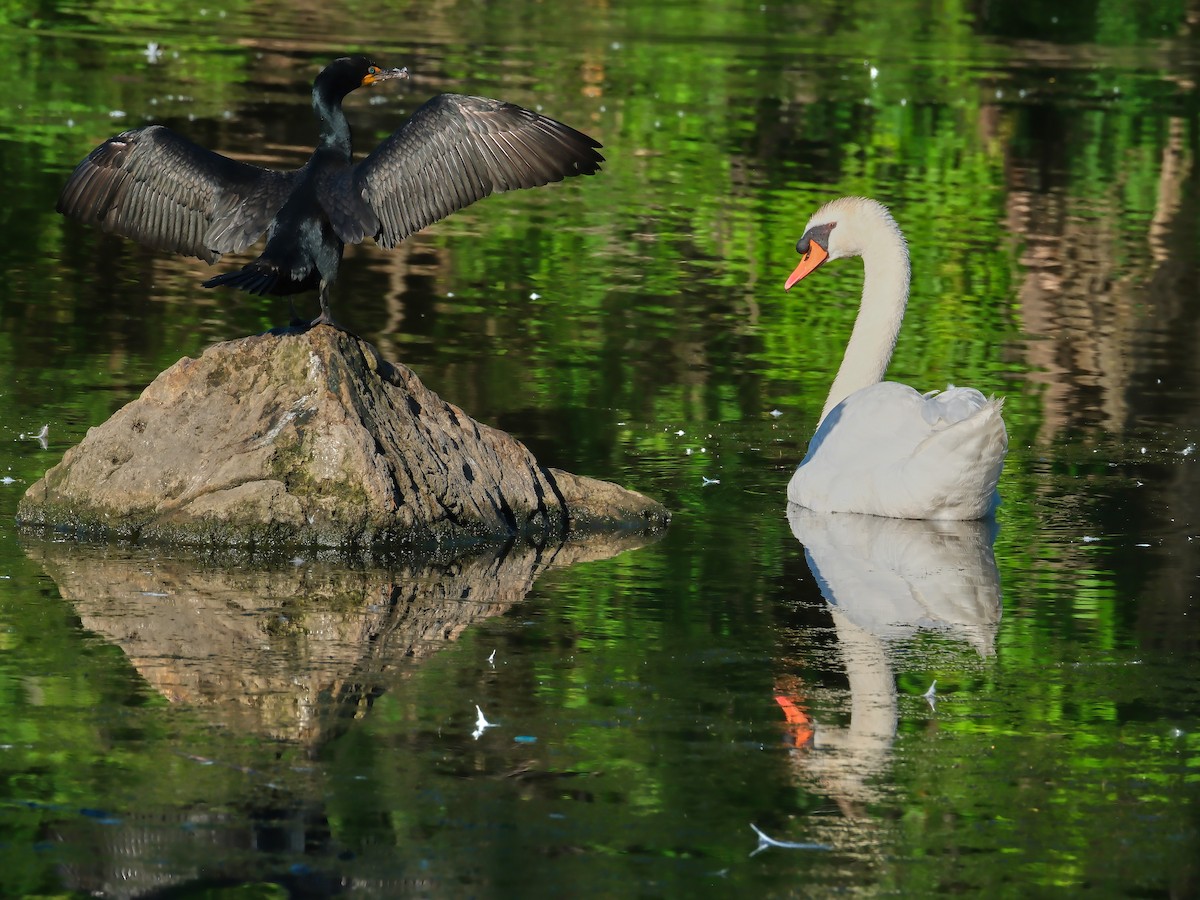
(885, 580)
(291, 652)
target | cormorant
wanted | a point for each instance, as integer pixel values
(166, 192)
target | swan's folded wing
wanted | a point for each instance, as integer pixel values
(951, 405)
(958, 464)
(876, 453)
(880, 423)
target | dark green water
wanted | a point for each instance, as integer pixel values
(171, 725)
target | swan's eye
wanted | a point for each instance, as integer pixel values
(818, 234)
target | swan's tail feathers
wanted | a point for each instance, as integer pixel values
(964, 460)
(954, 405)
(257, 277)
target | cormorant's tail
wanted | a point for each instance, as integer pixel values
(256, 277)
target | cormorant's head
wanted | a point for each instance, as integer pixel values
(343, 75)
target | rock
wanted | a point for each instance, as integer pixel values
(312, 440)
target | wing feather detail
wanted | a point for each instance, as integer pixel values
(162, 190)
(453, 151)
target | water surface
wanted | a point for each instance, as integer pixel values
(170, 722)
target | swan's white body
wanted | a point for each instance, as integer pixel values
(883, 448)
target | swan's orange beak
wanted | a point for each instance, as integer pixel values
(808, 263)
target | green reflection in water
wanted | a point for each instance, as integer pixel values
(1040, 161)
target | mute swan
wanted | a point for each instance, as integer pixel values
(881, 447)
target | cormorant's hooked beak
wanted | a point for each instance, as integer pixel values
(812, 259)
(384, 75)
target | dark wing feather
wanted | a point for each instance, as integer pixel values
(453, 151)
(166, 192)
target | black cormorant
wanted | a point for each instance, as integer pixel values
(166, 192)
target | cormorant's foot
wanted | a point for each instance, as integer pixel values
(292, 328)
(326, 319)
(296, 326)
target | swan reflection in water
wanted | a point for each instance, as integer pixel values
(884, 581)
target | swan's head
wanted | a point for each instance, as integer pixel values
(845, 227)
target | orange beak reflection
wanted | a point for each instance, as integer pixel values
(811, 260)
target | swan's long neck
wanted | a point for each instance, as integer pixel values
(884, 296)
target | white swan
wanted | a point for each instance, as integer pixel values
(881, 447)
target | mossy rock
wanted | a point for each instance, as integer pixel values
(313, 440)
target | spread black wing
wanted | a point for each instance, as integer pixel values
(453, 151)
(166, 192)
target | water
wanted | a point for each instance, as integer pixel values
(172, 722)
